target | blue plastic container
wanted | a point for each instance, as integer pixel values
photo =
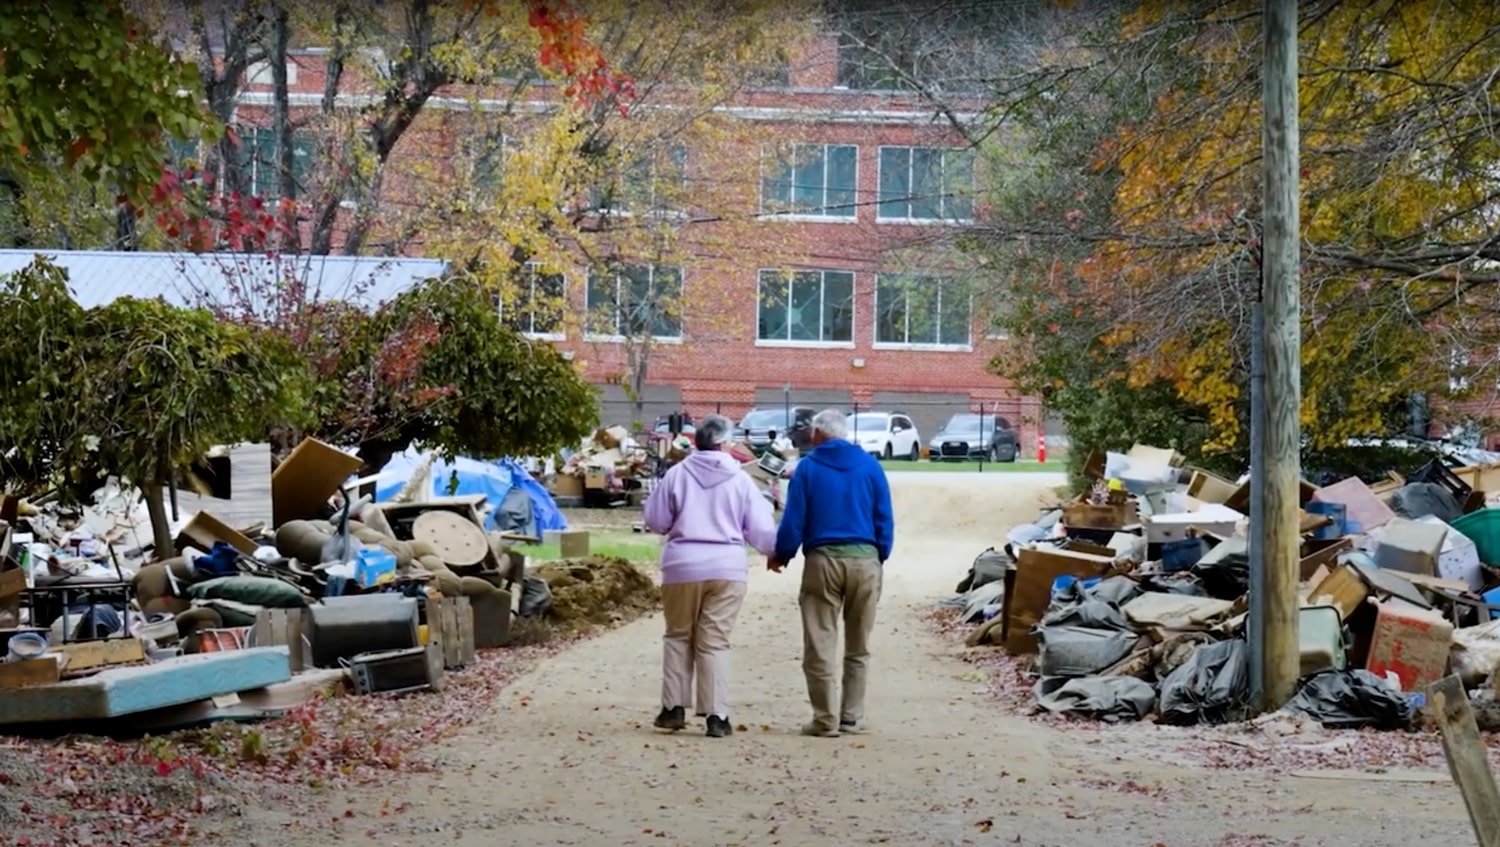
(1181, 555)
(1340, 523)
(373, 566)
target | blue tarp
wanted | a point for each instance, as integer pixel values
(492, 479)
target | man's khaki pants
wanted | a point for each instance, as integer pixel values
(700, 616)
(835, 588)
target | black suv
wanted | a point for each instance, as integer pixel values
(759, 424)
(972, 436)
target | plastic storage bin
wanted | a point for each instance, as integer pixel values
(1483, 528)
(1321, 639)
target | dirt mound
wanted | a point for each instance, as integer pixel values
(597, 591)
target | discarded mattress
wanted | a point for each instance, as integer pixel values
(125, 691)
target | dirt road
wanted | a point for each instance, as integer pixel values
(567, 756)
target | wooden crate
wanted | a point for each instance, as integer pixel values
(277, 627)
(450, 623)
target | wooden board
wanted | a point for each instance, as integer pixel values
(301, 485)
(1468, 761)
(84, 655)
(450, 622)
(28, 672)
(283, 627)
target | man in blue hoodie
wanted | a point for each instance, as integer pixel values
(838, 513)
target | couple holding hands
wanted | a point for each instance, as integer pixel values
(838, 515)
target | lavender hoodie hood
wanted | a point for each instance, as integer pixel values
(709, 510)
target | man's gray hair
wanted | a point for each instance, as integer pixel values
(712, 432)
(832, 423)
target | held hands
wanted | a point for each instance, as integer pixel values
(775, 565)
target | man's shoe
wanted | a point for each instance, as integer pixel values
(817, 731)
(852, 727)
(719, 727)
(671, 719)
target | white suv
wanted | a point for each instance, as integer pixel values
(886, 435)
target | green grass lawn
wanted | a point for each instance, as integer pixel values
(620, 544)
(1053, 465)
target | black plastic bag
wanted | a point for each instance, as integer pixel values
(1226, 579)
(1352, 699)
(1210, 687)
(1109, 698)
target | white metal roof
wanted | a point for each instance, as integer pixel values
(97, 277)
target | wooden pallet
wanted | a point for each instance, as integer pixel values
(450, 624)
(277, 627)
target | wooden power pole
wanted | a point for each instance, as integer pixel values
(1278, 534)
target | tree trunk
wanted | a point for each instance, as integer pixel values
(286, 175)
(161, 526)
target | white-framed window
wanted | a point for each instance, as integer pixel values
(258, 159)
(805, 307)
(811, 180)
(926, 184)
(539, 303)
(259, 73)
(655, 180)
(922, 311)
(634, 301)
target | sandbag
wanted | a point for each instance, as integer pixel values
(1092, 613)
(536, 597)
(1352, 699)
(1475, 653)
(989, 566)
(1108, 698)
(1066, 651)
(1209, 687)
(1173, 583)
(1118, 590)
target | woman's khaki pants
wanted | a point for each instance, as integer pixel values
(700, 616)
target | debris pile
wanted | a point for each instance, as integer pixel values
(98, 629)
(1130, 600)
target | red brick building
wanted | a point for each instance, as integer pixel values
(825, 315)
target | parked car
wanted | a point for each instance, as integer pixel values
(663, 425)
(971, 436)
(886, 435)
(757, 426)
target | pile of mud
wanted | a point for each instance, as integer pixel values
(597, 591)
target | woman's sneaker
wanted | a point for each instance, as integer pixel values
(719, 727)
(672, 719)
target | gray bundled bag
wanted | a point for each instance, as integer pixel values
(1083, 639)
(1108, 698)
(989, 566)
(1419, 499)
(536, 597)
(1209, 687)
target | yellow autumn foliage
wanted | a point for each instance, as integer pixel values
(1398, 193)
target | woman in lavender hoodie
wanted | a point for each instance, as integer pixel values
(709, 510)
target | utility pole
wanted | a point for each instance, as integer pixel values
(1278, 534)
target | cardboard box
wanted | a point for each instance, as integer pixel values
(567, 485)
(1320, 553)
(1411, 643)
(595, 478)
(205, 529)
(1208, 488)
(1085, 515)
(1411, 546)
